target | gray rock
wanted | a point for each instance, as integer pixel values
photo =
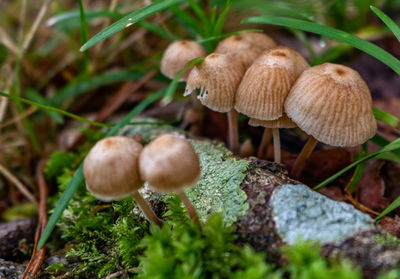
(300, 213)
(10, 270)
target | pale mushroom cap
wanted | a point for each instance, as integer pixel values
(111, 168)
(218, 78)
(266, 84)
(333, 104)
(177, 55)
(169, 164)
(245, 47)
(283, 122)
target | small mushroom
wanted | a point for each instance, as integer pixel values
(245, 47)
(283, 122)
(111, 172)
(177, 55)
(332, 104)
(218, 78)
(170, 164)
(265, 86)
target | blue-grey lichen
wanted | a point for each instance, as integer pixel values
(299, 212)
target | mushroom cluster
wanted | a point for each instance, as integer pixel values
(276, 88)
(117, 167)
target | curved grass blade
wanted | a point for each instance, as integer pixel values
(332, 33)
(386, 117)
(156, 29)
(395, 145)
(382, 142)
(90, 15)
(130, 19)
(77, 179)
(169, 95)
(50, 108)
(395, 204)
(388, 21)
(79, 87)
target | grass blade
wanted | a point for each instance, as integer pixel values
(77, 179)
(359, 171)
(130, 19)
(57, 110)
(386, 117)
(90, 15)
(382, 142)
(221, 18)
(332, 33)
(395, 145)
(78, 87)
(174, 83)
(388, 21)
(84, 37)
(156, 29)
(395, 204)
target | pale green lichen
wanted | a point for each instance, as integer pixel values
(219, 187)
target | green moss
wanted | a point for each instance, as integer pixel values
(182, 250)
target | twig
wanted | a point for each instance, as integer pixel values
(8, 43)
(34, 28)
(19, 117)
(119, 273)
(37, 258)
(21, 187)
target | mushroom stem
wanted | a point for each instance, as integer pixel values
(147, 211)
(233, 134)
(277, 145)
(189, 206)
(265, 141)
(301, 159)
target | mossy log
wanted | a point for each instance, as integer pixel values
(269, 209)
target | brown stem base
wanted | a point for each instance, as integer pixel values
(265, 141)
(147, 211)
(233, 133)
(301, 159)
(277, 145)
(189, 206)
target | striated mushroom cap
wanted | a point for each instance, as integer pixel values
(169, 163)
(283, 122)
(333, 104)
(177, 55)
(245, 47)
(111, 168)
(218, 78)
(266, 84)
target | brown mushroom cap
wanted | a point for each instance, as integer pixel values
(283, 122)
(218, 78)
(111, 168)
(177, 55)
(266, 84)
(333, 104)
(245, 47)
(169, 164)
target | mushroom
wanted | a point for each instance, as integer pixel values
(218, 78)
(245, 47)
(264, 87)
(332, 104)
(283, 122)
(177, 55)
(111, 172)
(170, 164)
